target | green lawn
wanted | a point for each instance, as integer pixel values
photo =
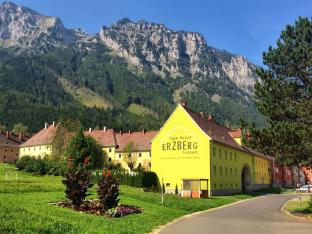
(293, 206)
(24, 207)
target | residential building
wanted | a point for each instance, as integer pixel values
(46, 143)
(200, 157)
(9, 146)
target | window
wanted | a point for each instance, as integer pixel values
(167, 184)
(150, 154)
(235, 172)
(226, 171)
(11, 150)
(29, 149)
(214, 185)
(119, 155)
(214, 151)
(110, 150)
(220, 185)
(5, 157)
(140, 154)
(34, 148)
(150, 165)
(140, 165)
(235, 158)
(109, 159)
(214, 170)
(225, 155)
(220, 171)
(231, 171)
(220, 153)
(5, 150)
(230, 155)
(39, 147)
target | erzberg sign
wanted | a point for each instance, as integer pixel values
(180, 144)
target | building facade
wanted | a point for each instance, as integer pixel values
(9, 146)
(197, 156)
(45, 143)
(116, 146)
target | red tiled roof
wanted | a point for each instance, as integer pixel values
(142, 140)
(5, 141)
(236, 133)
(218, 133)
(44, 137)
(7, 137)
(104, 138)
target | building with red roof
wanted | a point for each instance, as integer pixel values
(115, 146)
(44, 143)
(195, 155)
(9, 146)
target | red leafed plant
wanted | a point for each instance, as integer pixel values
(108, 191)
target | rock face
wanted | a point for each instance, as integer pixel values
(25, 28)
(175, 53)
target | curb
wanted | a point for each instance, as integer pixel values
(160, 228)
(283, 209)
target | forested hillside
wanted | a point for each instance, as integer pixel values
(129, 76)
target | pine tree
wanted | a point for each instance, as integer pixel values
(284, 96)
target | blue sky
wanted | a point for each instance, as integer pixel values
(245, 27)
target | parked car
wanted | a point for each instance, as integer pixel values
(304, 189)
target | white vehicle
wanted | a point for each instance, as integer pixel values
(305, 189)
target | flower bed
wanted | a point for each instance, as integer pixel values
(96, 208)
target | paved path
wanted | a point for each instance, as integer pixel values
(257, 216)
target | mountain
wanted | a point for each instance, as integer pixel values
(128, 76)
(175, 53)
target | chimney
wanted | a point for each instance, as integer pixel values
(20, 136)
(129, 132)
(184, 104)
(210, 117)
(53, 123)
(202, 114)
(119, 132)
(7, 134)
(104, 129)
(45, 125)
(143, 131)
(90, 129)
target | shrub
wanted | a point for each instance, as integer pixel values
(40, 166)
(123, 210)
(149, 179)
(108, 192)
(22, 162)
(77, 182)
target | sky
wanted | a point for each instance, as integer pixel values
(245, 27)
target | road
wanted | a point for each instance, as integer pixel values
(256, 216)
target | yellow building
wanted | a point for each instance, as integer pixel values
(199, 157)
(107, 139)
(115, 144)
(45, 143)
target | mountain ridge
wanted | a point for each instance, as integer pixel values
(128, 64)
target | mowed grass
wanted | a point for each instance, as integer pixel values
(25, 208)
(293, 205)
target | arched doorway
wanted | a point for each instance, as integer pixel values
(246, 178)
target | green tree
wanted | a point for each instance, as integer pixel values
(84, 150)
(19, 128)
(130, 157)
(3, 128)
(284, 96)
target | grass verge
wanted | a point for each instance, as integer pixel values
(293, 206)
(25, 208)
